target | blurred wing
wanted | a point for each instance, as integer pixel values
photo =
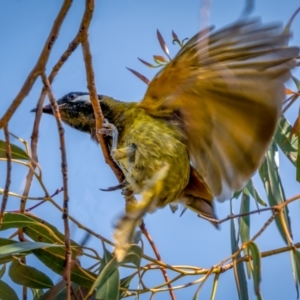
(227, 89)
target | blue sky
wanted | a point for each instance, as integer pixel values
(120, 32)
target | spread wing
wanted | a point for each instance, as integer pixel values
(227, 88)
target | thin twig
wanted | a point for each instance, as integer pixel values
(64, 170)
(8, 174)
(262, 255)
(64, 57)
(272, 208)
(36, 71)
(40, 64)
(229, 217)
(158, 257)
(96, 106)
(43, 200)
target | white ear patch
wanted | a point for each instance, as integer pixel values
(82, 98)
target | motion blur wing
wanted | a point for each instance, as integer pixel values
(227, 88)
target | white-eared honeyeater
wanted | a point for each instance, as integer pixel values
(204, 124)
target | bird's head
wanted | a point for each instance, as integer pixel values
(76, 110)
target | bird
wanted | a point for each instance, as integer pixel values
(203, 126)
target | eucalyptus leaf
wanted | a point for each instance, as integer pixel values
(7, 292)
(2, 271)
(16, 152)
(134, 255)
(18, 248)
(125, 283)
(16, 220)
(273, 186)
(239, 270)
(28, 276)
(244, 229)
(56, 263)
(287, 142)
(106, 280)
(256, 263)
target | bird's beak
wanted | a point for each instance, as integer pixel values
(47, 109)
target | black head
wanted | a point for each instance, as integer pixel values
(76, 110)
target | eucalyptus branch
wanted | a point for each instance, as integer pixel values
(8, 175)
(40, 65)
(64, 170)
(158, 257)
(96, 107)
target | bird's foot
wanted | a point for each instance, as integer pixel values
(120, 186)
(110, 129)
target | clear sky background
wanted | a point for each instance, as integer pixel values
(120, 32)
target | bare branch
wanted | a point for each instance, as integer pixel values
(64, 170)
(158, 257)
(40, 65)
(8, 174)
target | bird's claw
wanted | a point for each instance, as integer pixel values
(110, 129)
(107, 128)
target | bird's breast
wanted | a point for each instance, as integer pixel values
(146, 148)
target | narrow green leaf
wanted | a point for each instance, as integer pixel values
(239, 270)
(297, 263)
(16, 152)
(125, 283)
(256, 263)
(18, 248)
(6, 292)
(133, 255)
(287, 142)
(56, 263)
(9, 258)
(236, 195)
(295, 270)
(106, 281)
(245, 220)
(107, 257)
(28, 276)
(297, 259)
(111, 287)
(272, 183)
(2, 271)
(255, 195)
(4, 242)
(16, 220)
(298, 154)
(42, 231)
(36, 293)
(245, 223)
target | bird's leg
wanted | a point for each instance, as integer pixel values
(110, 129)
(126, 152)
(136, 210)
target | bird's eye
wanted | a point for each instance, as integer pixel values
(71, 96)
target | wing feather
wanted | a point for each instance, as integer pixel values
(227, 87)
